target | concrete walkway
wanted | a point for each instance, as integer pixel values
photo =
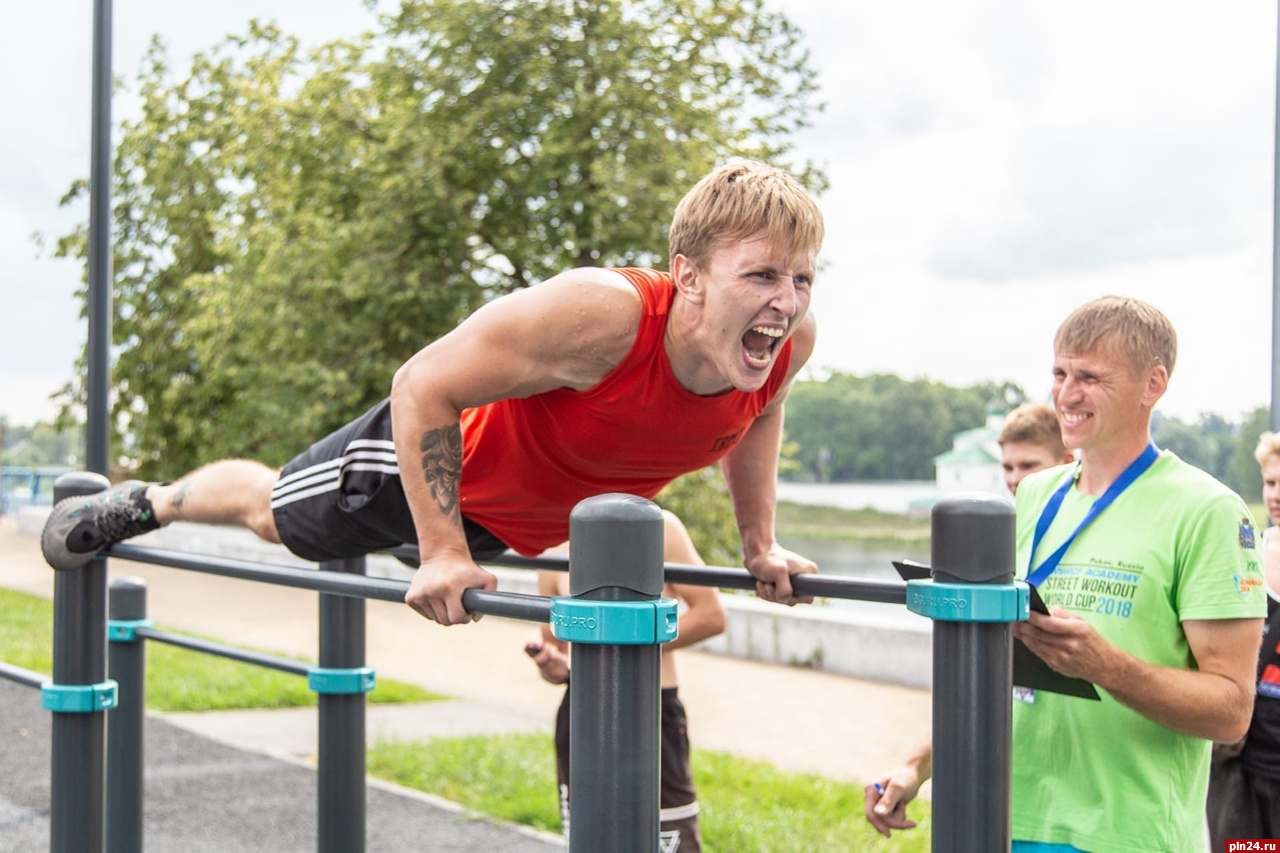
(796, 719)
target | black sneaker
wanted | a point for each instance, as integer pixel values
(80, 528)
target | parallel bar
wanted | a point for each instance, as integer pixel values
(78, 766)
(223, 650)
(972, 542)
(99, 250)
(514, 605)
(26, 677)
(319, 580)
(531, 608)
(76, 823)
(826, 586)
(1274, 415)
(614, 695)
(341, 802)
(126, 751)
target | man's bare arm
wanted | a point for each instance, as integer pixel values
(1214, 701)
(751, 473)
(567, 332)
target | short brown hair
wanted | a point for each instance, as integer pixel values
(1033, 423)
(1268, 446)
(1139, 332)
(739, 199)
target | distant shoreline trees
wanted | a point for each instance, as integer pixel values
(847, 428)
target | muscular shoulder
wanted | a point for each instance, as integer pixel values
(590, 289)
(588, 320)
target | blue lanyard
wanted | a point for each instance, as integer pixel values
(1135, 470)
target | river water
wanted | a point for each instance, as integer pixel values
(887, 497)
(853, 558)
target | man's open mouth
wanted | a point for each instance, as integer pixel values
(758, 343)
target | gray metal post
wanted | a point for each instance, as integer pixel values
(615, 548)
(1274, 417)
(341, 802)
(98, 301)
(78, 752)
(973, 543)
(127, 666)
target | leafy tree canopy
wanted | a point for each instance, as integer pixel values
(1215, 445)
(290, 228)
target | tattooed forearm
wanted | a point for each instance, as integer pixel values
(181, 492)
(442, 467)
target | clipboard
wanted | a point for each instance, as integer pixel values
(1028, 669)
(910, 570)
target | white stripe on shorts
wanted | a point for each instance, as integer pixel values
(362, 455)
(679, 812)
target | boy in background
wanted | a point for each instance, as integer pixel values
(1030, 441)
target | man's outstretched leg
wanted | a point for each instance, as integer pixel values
(233, 491)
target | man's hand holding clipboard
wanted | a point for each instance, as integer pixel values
(1028, 669)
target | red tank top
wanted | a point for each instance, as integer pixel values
(528, 462)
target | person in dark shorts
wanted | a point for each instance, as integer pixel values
(594, 381)
(1244, 779)
(701, 616)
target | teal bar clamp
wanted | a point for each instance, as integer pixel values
(79, 698)
(969, 602)
(621, 623)
(360, 679)
(126, 630)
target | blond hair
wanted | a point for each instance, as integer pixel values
(739, 199)
(1033, 423)
(1138, 332)
(1268, 446)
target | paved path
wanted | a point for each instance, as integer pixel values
(793, 718)
(203, 796)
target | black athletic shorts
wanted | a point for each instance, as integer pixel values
(342, 496)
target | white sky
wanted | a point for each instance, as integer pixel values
(994, 164)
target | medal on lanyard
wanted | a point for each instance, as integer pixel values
(1133, 472)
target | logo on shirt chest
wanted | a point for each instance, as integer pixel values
(1247, 537)
(725, 442)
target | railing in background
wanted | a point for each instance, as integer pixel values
(22, 485)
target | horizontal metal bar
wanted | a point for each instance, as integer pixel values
(320, 580)
(512, 560)
(9, 672)
(532, 608)
(384, 589)
(292, 667)
(828, 586)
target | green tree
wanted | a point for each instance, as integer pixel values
(40, 445)
(1243, 473)
(1191, 443)
(702, 502)
(882, 427)
(290, 228)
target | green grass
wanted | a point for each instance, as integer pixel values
(177, 679)
(746, 806)
(510, 776)
(865, 525)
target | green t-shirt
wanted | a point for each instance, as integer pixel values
(1176, 545)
